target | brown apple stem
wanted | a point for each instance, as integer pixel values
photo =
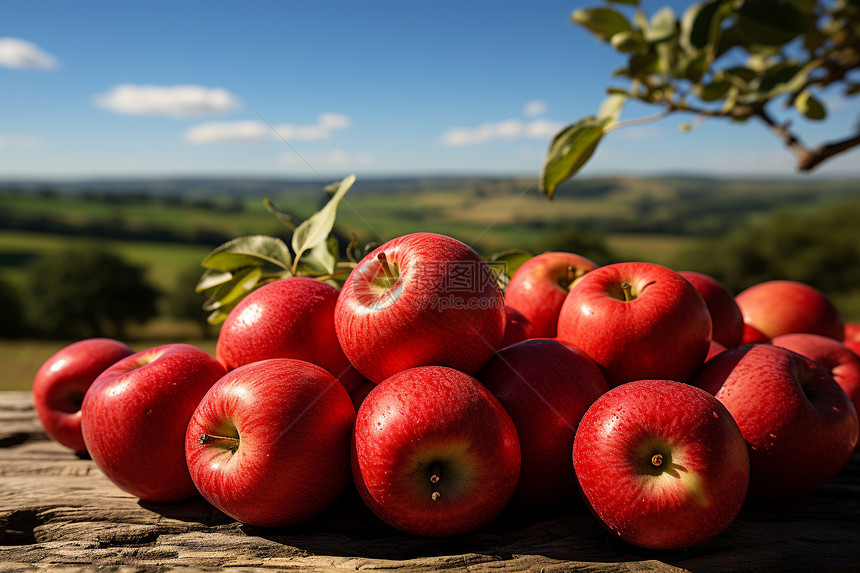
(435, 476)
(383, 260)
(223, 441)
(628, 291)
(657, 460)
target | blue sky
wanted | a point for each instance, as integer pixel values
(306, 89)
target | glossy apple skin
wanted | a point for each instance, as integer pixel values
(835, 357)
(798, 423)
(445, 308)
(715, 349)
(135, 414)
(727, 321)
(62, 381)
(664, 332)
(546, 387)
(293, 421)
(288, 318)
(852, 337)
(701, 483)
(433, 420)
(780, 307)
(538, 288)
(517, 328)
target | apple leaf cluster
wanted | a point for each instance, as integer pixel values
(731, 59)
(243, 264)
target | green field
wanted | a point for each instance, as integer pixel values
(169, 229)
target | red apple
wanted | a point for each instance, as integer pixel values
(715, 349)
(538, 288)
(360, 392)
(417, 300)
(546, 387)
(517, 328)
(289, 318)
(726, 318)
(832, 355)
(661, 464)
(62, 381)
(269, 443)
(781, 307)
(135, 414)
(800, 426)
(637, 321)
(852, 337)
(434, 453)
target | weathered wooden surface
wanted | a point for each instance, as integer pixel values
(59, 512)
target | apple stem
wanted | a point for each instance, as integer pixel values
(628, 294)
(435, 476)
(383, 260)
(228, 441)
(657, 460)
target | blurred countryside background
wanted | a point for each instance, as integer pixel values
(143, 135)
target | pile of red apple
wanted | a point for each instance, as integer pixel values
(657, 396)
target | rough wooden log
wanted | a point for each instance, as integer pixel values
(59, 512)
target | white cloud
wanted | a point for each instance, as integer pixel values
(23, 55)
(18, 141)
(507, 129)
(257, 131)
(229, 132)
(535, 108)
(171, 101)
(333, 158)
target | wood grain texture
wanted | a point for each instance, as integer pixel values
(59, 512)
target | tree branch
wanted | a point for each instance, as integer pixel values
(826, 151)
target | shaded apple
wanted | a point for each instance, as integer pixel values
(62, 381)
(779, 307)
(799, 424)
(546, 387)
(727, 321)
(538, 288)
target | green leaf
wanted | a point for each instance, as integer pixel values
(771, 22)
(808, 105)
(211, 279)
(625, 2)
(610, 109)
(570, 150)
(322, 258)
(642, 64)
(781, 78)
(714, 91)
(506, 263)
(602, 22)
(627, 42)
(242, 283)
(696, 25)
(284, 218)
(252, 250)
(662, 26)
(318, 226)
(852, 89)
(695, 68)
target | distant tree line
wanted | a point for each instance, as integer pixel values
(82, 293)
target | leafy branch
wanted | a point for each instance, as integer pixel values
(238, 267)
(728, 59)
